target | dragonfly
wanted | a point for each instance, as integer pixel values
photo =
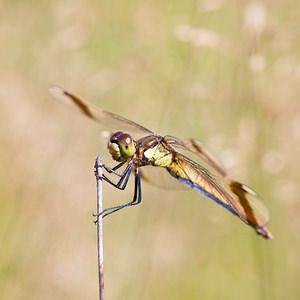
(137, 148)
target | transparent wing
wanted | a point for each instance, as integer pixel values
(107, 119)
(236, 197)
(197, 148)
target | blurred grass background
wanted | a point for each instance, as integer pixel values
(225, 72)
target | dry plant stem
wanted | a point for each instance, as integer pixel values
(98, 173)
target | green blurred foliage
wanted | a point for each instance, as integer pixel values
(225, 72)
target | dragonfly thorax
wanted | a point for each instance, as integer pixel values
(121, 146)
(159, 155)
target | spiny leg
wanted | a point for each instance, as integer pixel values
(137, 197)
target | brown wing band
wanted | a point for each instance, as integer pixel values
(80, 104)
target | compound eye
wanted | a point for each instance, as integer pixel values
(126, 145)
(124, 139)
(114, 137)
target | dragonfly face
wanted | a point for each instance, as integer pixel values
(158, 151)
(121, 146)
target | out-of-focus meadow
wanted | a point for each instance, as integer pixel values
(225, 72)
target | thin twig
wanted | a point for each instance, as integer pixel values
(98, 174)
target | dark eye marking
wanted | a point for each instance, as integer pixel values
(115, 136)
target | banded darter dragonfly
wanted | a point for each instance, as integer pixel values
(157, 151)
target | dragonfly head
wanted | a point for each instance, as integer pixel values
(121, 146)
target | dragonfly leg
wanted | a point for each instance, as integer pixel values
(109, 170)
(123, 180)
(137, 198)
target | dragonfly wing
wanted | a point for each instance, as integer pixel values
(160, 177)
(234, 196)
(197, 148)
(108, 119)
